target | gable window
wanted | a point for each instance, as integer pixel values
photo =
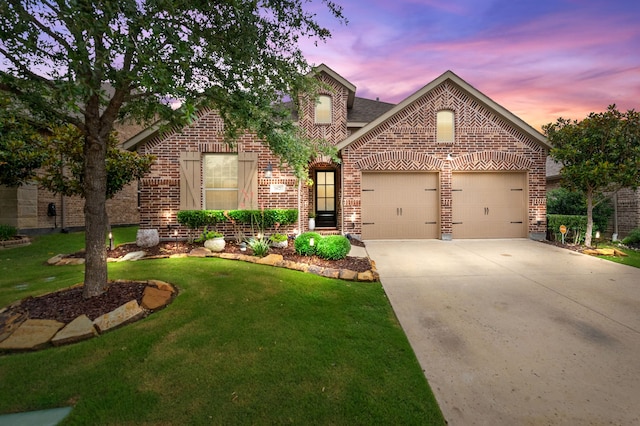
(445, 126)
(220, 178)
(323, 110)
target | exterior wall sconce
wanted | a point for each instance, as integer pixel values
(449, 157)
(268, 171)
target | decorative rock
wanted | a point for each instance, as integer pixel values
(81, 328)
(232, 256)
(161, 285)
(147, 238)
(199, 252)
(71, 261)
(315, 269)
(270, 259)
(55, 259)
(10, 322)
(366, 276)
(126, 313)
(331, 273)
(348, 275)
(154, 298)
(134, 255)
(32, 334)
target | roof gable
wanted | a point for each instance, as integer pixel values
(451, 77)
(322, 68)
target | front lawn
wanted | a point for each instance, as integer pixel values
(241, 344)
(633, 258)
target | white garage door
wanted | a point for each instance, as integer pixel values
(489, 205)
(400, 205)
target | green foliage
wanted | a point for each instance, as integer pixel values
(21, 144)
(260, 246)
(7, 232)
(566, 202)
(195, 219)
(633, 237)
(64, 169)
(278, 238)
(302, 243)
(576, 226)
(208, 235)
(333, 247)
(599, 154)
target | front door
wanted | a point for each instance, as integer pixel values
(325, 198)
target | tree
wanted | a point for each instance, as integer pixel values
(600, 154)
(21, 145)
(88, 63)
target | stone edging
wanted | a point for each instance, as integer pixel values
(272, 260)
(20, 333)
(23, 240)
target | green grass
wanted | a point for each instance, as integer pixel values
(241, 344)
(633, 258)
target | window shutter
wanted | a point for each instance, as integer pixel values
(190, 188)
(247, 180)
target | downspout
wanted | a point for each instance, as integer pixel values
(614, 237)
(299, 206)
(342, 198)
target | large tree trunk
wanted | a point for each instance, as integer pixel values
(95, 215)
(587, 237)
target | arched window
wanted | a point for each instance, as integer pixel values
(445, 125)
(323, 110)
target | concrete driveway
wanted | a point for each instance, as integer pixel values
(517, 332)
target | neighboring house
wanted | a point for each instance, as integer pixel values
(31, 209)
(626, 204)
(447, 162)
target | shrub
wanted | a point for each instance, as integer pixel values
(333, 247)
(576, 226)
(7, 232)
(278, 238)
(208, 235)
(633, 237)
(303, 246)
(260, 246)
(565, 202)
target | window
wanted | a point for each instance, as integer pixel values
(323, 110)
(220, 176)
(445, 124)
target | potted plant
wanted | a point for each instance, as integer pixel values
(278, 240)
(213, 240)
(312, 221)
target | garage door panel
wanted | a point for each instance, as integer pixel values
(489, 205)
(399, 205)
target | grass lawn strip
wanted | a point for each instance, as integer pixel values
(243, 343)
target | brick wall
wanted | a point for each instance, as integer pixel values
(160, 189)
(483, 142)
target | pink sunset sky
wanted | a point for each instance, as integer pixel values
(539, 59)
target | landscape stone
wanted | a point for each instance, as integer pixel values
(366, 276)
(32, 334)
(315, 269)
(134, 255)
(71, 261)
(331, 273)
(126, 313)
(162, 285)
(81, 328)
(147, 238)
(200, 252)
(619, 253)
(154, 298)
(348, 275)
(271, 259)
(9, 322)
(55, 259)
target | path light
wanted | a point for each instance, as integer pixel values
(597, 238)
(311, 242)
(175, 235)
(111, 241)
(243, 246)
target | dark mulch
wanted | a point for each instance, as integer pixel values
(65, 305)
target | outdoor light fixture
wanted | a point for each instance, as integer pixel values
(311, 242)
(243, 246)
(111, 241)
(268, 172)
(449, 157)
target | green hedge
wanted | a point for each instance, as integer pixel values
(576, 226)
(261, 218)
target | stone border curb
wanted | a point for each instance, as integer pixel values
(22, 241)
(20, 334)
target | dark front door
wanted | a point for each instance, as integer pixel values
(325, 198)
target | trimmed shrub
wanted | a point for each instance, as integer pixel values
(633, 237)
(565, 202)
(333, 247)
(7, 232)
(303, 246)
(576, 226)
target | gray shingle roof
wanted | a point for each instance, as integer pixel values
(367, 110)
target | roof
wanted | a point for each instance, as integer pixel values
(553, 168)
(322, 68)
(472, 91)
(367, 110)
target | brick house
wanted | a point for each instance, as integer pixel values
(447, 162)
(29, 207)
(626, 204)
